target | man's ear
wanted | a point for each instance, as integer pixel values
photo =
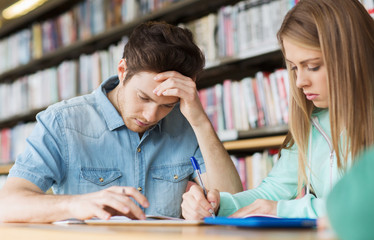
(121, 69)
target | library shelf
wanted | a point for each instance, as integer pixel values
(265, 58)
(4, 168)
(180, 11)
(255, 143)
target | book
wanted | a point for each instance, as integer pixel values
(263, 221)
(122, 220)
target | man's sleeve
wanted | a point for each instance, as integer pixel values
(44, 160)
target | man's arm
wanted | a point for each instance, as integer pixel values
(23, 201)
(220, 173)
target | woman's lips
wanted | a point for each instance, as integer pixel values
(311, 97)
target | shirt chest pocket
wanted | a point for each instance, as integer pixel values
(168, 185)
(96, 179)
(171, 174)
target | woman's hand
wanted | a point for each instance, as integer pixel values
(260, 206)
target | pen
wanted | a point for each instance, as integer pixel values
(197, 169)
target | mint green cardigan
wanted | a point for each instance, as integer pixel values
(281, 183)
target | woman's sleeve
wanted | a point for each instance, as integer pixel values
(281, 183)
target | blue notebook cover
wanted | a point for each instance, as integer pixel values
(263, 222)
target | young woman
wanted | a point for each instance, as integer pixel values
(328, 47)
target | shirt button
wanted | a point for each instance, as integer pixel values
(101, 179)
(175, 177)
(140, 189)
(139, 149)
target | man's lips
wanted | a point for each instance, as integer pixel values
(140, 123)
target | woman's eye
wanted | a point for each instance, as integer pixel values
(314, 69)
(294, 68)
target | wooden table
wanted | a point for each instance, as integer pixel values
(89, 232)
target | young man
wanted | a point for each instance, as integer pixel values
(124, 149)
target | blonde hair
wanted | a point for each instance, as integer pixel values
(343, 31)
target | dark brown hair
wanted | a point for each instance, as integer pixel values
(159, 47)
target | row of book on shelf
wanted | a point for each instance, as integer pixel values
(237, 29)
(232, 31)
(67, 80)
(76, 77)
(84, 20)
(250, 103)
(13, 141)
(254, 168)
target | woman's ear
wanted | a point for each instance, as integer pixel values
(121, 69)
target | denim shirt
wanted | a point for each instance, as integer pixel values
(82, 145)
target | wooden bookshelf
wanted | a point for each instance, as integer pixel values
(265, 58)
(184, 10)
(254, 143)
(4, 169)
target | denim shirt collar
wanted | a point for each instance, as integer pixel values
(110, 113)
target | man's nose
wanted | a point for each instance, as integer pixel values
(150, 113)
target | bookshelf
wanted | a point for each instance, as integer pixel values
(4, 169)
(262, 58)
(254, 143)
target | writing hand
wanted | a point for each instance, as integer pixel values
(195, 206)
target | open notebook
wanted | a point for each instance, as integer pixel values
(122, 220)
(263, 221)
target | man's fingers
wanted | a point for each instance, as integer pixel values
(191, 208)
(170, 74)
(173, 80)
(213, 199)
(198, 202)
(135, 194)
(123, 205)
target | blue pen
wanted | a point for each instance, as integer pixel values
(197, 169)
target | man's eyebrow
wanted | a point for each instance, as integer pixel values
(147, 96)
(305, 61)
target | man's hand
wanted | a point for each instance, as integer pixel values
(195, 206)
(173, 83)
(260, 206)
(108, 202)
